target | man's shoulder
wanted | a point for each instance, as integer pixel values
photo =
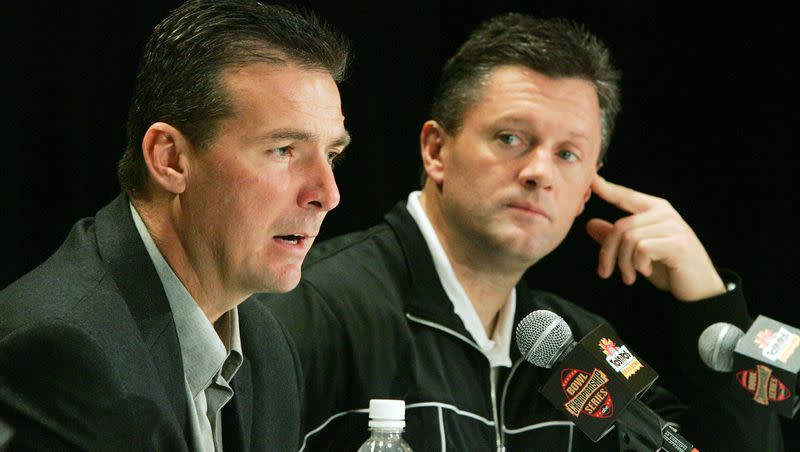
(72, 276)
(60, 303)
(77, 283)
(67, 322)
(346, 274)
(361, 256)
(347, 246)
(71, 294)
(258, 326)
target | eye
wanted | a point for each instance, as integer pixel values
(334, 157)
(568, 155)
(283, 151)
(509, 139)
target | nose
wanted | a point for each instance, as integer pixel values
(537, 169)
(319, 190)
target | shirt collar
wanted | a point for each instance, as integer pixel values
(202, 350)
(498, 348)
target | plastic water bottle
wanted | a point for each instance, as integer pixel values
(387, 418)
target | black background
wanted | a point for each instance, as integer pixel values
(709, 122)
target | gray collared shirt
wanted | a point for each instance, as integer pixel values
(210, 356)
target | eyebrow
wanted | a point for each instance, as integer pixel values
(343, 141)
(512, 122)
(300, 135)
(523, 123)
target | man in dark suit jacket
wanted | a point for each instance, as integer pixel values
(130, 336)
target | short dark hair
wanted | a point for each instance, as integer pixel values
(554, 47)
(179, 77)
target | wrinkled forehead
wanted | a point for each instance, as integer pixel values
(281, 82)
(275, 104)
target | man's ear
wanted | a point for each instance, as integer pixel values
(586, 197)
(588, 194)
(432, 140)
(165, 150)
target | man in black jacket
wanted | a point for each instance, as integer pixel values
(131, 337)
(422, 307)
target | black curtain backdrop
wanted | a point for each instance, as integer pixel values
(709, 122)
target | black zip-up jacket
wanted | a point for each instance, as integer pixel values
(371, 319)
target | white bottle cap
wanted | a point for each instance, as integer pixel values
(387, 413)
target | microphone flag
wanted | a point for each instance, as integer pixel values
(596, 380)
(766, 363)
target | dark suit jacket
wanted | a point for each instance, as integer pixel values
(90, 359)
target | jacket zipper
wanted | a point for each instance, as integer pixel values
(492, 376)
(497, 425)
(503, 399)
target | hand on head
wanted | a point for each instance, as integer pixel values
(653, 240)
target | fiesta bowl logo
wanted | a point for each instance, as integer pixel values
(587, 393)
(764, 386)
(619, 358)
(777, 345)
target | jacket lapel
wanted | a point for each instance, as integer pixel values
(237, 414)
(122, 249)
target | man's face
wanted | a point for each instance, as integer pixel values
(519, 171)
(255, 199)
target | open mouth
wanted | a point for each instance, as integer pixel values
(293, 239)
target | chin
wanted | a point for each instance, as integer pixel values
(285, 281)
(528, 253)
(287, 286)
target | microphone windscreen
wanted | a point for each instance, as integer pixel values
(541, 336)
(716, 345)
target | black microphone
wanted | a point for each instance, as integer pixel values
(764, 361)
(596, 382)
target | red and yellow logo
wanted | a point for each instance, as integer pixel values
(620, 358)
(764, 386)
(587, 393)
(777, 345)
